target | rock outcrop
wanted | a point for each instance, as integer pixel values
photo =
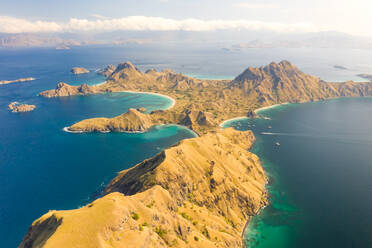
(79, 70)
(16, 107)
(199, 193)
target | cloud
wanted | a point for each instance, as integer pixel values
(256, 5)
(98, 16)
(143, 23)
(16, 25)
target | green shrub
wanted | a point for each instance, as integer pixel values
(184, 215)
(135, 216)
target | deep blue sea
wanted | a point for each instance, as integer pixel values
(320, 175)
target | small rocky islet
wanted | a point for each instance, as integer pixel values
(79, 70)
(20, 80)
(198, 193)
(17, 107)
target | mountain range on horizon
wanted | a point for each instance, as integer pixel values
(228, 40)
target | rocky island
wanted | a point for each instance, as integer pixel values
(17, 80)
(198, 193)
(79, 70)
(16, 107)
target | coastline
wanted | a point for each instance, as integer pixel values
(173, 101)
(269, 107)
(256, 111)
(67, 130)
(233, 119)
(99, 84)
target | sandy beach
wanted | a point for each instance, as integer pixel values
(233, 119)
(269, 107)
(151, 93)
(256, 111)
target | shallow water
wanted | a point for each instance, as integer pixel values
(320, 175)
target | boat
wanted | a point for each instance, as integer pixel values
(277, 144)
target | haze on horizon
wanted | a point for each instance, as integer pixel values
(286, 16)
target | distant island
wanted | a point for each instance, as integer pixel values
(79, 70)
(16, 107)
(201, 192)
(340, 67)
(62, 47)
(365, 76)
(17, 80)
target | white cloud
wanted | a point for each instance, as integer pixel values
(98, 16)
(16, 25)
(143, 23)
(256, 5)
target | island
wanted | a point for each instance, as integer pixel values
(20, 80)
(365, 76)
(201, 192)
(79, 70)
(16, 107)
(340, 67)
(62, 47)
(202, 105)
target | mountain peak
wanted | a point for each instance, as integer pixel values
(126, 65)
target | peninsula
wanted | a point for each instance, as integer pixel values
(16, 107)
(199, 193)
(17, 80)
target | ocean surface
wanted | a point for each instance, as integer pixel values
(319, 175)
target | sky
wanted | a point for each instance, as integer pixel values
(289, 16)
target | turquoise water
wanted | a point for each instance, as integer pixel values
(42, 167)
(320, 175)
